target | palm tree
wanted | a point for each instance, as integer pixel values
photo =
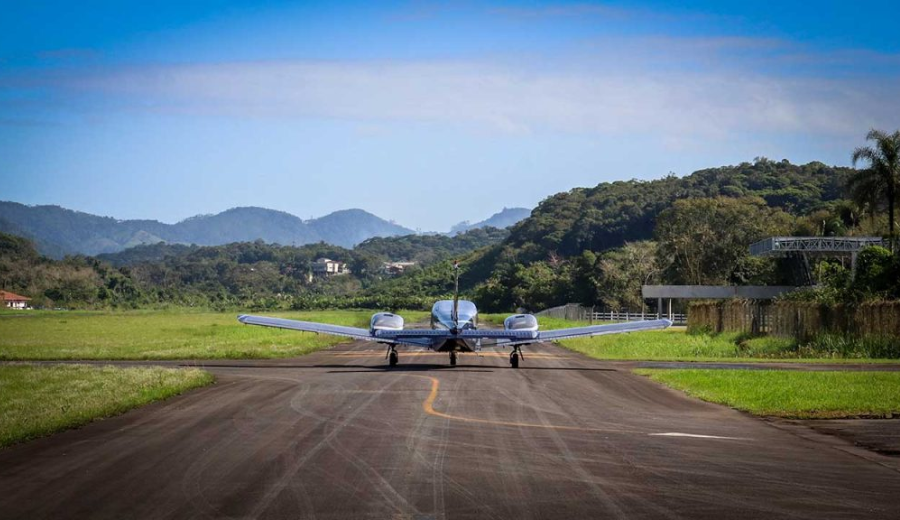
(881, 180)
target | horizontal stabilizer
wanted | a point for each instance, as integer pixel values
(439, 334)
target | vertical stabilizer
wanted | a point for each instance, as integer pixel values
(456, 295)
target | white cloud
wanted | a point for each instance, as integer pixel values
(652, 87)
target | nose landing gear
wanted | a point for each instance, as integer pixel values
(452, 358)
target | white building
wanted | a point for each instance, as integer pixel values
(329, 267)
(14, 301)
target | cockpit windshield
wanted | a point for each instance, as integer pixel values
(442, 315)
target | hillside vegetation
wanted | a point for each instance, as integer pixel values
(596, 246)
(252, 275)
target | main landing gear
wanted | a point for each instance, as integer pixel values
(514, 357)
(452, 358)
(393, 357)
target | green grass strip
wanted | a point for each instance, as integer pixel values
(788, 393)
(39, 400)
(39, 335)
(669, 344)
(674, 344)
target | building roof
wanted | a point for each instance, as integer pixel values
(12, 297)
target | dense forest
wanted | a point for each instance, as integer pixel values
(596, 246)
(243, 274)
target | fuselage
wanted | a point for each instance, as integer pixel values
(464, 317)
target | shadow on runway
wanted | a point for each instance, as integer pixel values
(369, 368)
(407, 368)
(418, 367)
(457, 368)
(576, 369)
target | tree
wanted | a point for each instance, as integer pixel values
(620, 273)
(704, 241)
(876, 274)
(880, 182)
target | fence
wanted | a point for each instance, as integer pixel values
(577, 312)
(796, 319)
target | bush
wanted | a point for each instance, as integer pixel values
(876, 272)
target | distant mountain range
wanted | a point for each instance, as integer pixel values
(503, 219)
(58, 231)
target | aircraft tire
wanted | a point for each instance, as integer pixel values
(394, 358)
(514, 360)
(452, 359)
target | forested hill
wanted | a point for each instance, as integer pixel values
(598, 245)
(421, 249)
(608, 215)
(594, 245)
(58, 231)
(245, 274)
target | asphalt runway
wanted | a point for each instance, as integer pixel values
(336, 434)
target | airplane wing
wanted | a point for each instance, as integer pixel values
(427, 337)
(591, 330)
(327, 328)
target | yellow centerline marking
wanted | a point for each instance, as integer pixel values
(428, 407)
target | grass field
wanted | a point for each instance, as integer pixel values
(675, 344)
(40, 335)
(669, 344)
(791, 394)
(39, 400)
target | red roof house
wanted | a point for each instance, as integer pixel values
(13, 301)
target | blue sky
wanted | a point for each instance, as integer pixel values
(427, 113)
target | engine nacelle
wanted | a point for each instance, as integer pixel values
(521, 322)
(386, 321)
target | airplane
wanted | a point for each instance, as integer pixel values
(454, 329)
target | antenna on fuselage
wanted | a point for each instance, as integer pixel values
(456, 295)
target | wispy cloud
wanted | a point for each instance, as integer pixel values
(645, 91)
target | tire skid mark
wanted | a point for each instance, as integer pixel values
(377, 481)
(428, 460)
(273, 492)
(193, 484)
(437, 470)
(598, 484)
(428, 408)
